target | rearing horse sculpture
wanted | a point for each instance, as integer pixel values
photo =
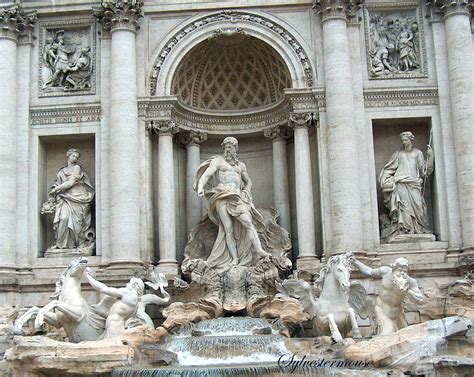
(80, 320)
(334, 312)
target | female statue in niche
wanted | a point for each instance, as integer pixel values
(70, 199)
(402, 181)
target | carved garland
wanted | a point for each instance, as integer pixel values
(233, 16)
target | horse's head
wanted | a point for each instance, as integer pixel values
(341, 268)
(76, 267)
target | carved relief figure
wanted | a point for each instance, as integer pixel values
(395, 286)
(71, 200)
(66, 62)
(402, 181)
(230, 207)
(393, 40)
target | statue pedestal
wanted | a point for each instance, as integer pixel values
(410, 238)
(78, 252)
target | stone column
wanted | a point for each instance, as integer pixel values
(279, 135)
(165, 129)
(342, 137)
(13, 24)
(192, 140)
(120, 18)
(461, 73)
(307, 260)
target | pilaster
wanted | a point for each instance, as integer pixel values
(279, 136)
(120, 17)
(307, 260)
(166, 129)
(14, 25)
(456, 16)
(192, 140)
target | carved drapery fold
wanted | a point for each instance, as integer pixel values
(16, 23)
(119, 14)
(446, 8)
(343, 9)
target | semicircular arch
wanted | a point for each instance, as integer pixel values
(288, 44)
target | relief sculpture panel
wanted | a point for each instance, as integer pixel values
(67, 56)
(395, 45)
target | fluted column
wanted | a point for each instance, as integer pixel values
(165, 129)
(13, 24)
(461, 80)
(281, 192)
(192, 140)
(342, 137)
(121, 18)
(300, 122)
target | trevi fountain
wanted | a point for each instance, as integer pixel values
(236, 188)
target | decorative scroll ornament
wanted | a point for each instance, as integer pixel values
(234, 16)
(297, 120)
(447, 8)
(278, 132)
(16, 23)
(162, 127)
(192, 137)
(117, 14)
(346, 9)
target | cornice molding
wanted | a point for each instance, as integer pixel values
(374, 98)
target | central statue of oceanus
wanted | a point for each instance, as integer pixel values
(237, 251)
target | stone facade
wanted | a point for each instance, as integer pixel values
(316, 91)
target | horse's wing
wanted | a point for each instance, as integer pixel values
(358, 299)
(302, 291)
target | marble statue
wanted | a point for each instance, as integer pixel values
(67, 63)
(395, 286)
(402, 183)
(237, 251)
(119, 309)
(129, 301)
(70, 199)
(334, 311)
(393, 41)
(230, 207)
(69, 309)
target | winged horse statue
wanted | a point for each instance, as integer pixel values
(80, 320)
(334, 311)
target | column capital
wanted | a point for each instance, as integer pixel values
(162, 127)
(300, 120)
(446, 8)
(337, 9)
(15, 23)
(189, 138)
(282, 132)
(119, 14)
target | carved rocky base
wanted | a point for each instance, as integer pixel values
(78, 252)
(40, 355)
(406, 347)
(410, 238)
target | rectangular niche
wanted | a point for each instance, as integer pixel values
(386, 142)
(52, 158)
(395, 42)
(67, 56)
